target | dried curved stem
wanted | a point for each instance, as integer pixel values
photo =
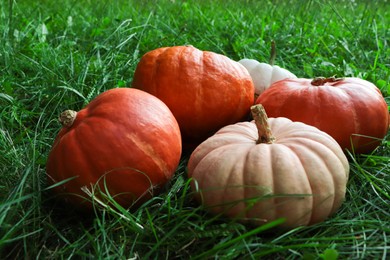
(320, 81)
(261, 121)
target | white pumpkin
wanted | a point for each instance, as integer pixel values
(264, 75)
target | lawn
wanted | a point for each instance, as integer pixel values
(60, 55)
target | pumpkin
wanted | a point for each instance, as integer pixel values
(264, 74)
(266, 169)
(195, 84)
(352, 110)
(125, 142)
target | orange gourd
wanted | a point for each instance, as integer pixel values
(352, 110)
(125, 140)
(196, 85)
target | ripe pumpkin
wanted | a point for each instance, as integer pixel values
(352, 110)
(125, 140)
(195, 85)
(267, 169)
(264, 74)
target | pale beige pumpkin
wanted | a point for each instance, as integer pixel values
(296, 172)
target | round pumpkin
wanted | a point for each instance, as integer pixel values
(195, 85)
(264, 170)
(125, 142)
(264, 74)
(352, 110)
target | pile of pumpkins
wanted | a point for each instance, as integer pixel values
(127, 143)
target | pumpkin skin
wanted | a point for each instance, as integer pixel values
(352, 110)
(301, 175)
(195, 84)
(125, 139)
(264, 74)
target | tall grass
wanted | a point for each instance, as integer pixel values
(59, 55)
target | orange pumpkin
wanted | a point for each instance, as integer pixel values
(196, 85)
(263, 170)
(352, 110)
(125, 140)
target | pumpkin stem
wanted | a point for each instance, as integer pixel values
(67, 118)
(319, 81)
(261, 121)
(273, 53)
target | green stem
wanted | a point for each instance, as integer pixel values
(273, 53)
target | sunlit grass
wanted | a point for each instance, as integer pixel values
(56, 56)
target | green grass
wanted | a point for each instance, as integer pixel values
(57, 56)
